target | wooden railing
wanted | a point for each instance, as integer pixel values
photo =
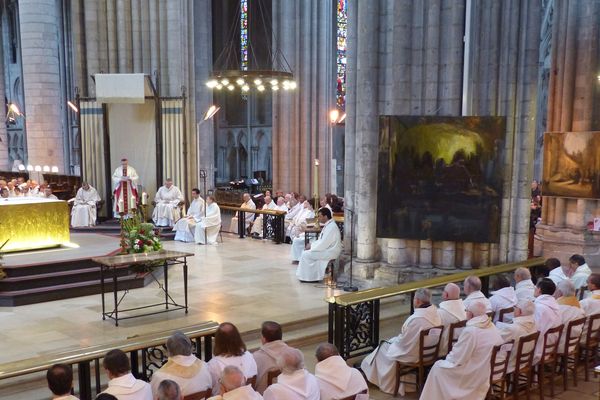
(276, 223)
(147, 354)
(354, 317)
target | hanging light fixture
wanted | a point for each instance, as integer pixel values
(244, 68)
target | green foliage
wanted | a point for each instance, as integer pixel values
(138, 236)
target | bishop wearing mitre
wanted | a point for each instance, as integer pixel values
(125, 181)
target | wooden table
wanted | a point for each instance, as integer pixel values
(164, 257)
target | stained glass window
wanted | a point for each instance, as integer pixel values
(244, 34)
(342, 30)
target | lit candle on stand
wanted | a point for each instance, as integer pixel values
(144, 198)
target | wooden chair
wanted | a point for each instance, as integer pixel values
(505, 311)
(272, 375)
(199, 395)
(549, 359)
(428, 355)
(498, 369)
(453, 334)
(522, 376)
(589, 349)
(570, 353)
(491, 315)
(353, 397)
(580, 293)
(251, 381)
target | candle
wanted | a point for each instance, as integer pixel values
(144, 198)
(121, 208)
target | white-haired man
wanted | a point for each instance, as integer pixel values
(190, 373)
(294, 383)
(472, 288)
(465, 373)
(524, 286)
(380, 366)
(248, 216)
(336, 379)
(523, 324)
(166, 208)
(450, 310)
(569, 308)
(233, 386)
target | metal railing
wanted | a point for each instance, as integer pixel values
(147, 354)
(354, 317)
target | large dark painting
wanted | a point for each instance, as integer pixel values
(440, 178)
(571, 164)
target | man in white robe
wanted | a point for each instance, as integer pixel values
(47, 194)
(125, 180)
(298, 235)
(166, 207)
(271, 349)
(182, 367)
(380, 366)
(559, 273)
(580, 270)
(450, 310)
(522, 324)
(60, 382)
(465, 373)
(257, 226)
(524, 287)
(294, 207)
(186, 226)
(294, 226)
(209, 225)
(314, 260)
(503, 296)
(295, 382)
(591, 305)
(233, 386)
(570, 310)
(83, 212)
(248, 216)
(547, 314)
(122, 384)
(336, 379)
(472, 288)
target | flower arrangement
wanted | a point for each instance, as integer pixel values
(138, 236)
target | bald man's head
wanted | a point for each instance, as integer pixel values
(451, 292)
(232, 378)
(476, 309)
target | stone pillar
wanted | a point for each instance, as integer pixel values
(39, 24)
(425, 253)
(467, 255)
(4, 159)
(448, 255)
(396, 252)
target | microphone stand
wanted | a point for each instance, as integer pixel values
(350, 287)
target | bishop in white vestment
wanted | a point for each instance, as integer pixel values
(186, 226)
(83, 212)
(125, 180)
(380, 366)
(336, 379)
(208, 227)
(166, 209)
(450, 310)
(465, 373)
(248, 216)
(313, 261)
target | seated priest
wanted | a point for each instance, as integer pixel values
(503, 296)
(547, 314)
(524, 286)
(450, 310)
(294, 207)
(472, 288)
(257, 226)
(233, 385)
(591, 305)
(580, 270)
(208, 227)
(83, 212)
(166, 207)
(186, 227)
(47, 194)
(295, 382)
(570, 310)
(248, 216)
(336, 379)
(266, 357)
(465, 373)
(300, 224)
(522, 324)
(122, 384)
(314, 260)
(379, 367)
(4, 192)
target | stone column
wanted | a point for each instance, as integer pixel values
(39, 24)
(4, 160)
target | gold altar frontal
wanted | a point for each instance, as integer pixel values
(30, 223)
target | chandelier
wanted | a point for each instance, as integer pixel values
(238, 69)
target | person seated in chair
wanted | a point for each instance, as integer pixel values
(232, 384)
(60, 381)
(336, 379)
(314, 260)
(524, 286)
(295, 382)
(248, 216)
(522, 324)
(168, 390)
(570, 310)
(209, 226)
(450, 310)
(186, 226)
(472, 288)
(503, 296)
(122, 384)
(580, 271)
(84, 210)
(547, 314)
(166, 204)
(257, 226)
(266, 356)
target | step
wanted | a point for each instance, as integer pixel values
(54, 278)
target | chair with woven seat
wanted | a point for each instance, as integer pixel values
(199, 395)
(272, 375)
(589, 349)
(549, 359)
(499, 366)
(251, 381)
(504, 312)
(522, 376)
(454, 333)
(570, 352)
(428, 355)
(353, 397)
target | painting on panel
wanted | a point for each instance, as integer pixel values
(440, 178)
(571, 164)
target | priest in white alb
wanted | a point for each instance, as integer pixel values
(248, 216)
(503, 296)
(298, 235)
(524, 287)
(83, 212)
(314, 260)
(125, 180)
(380, 366)
(186, 226)
(336, 379)
(465, 373)
(547, 314)
(450, 310)
(570, 310)
(522, 324)
(209, 225)
(166, 204)
(257, 226)
(295, 382)
(472, 288)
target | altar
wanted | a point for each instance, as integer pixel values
(30, 223)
